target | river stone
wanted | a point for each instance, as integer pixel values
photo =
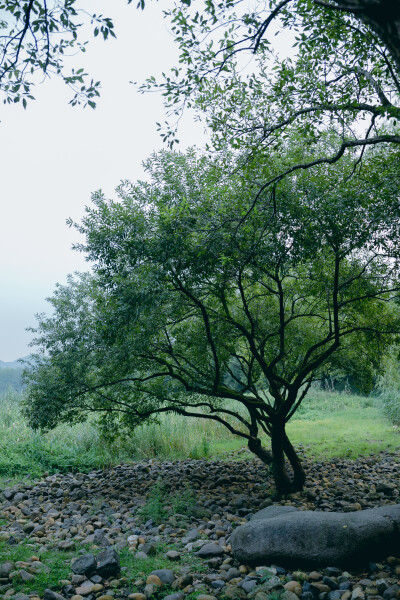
(166, 575)
(84, 565)
(50, 595)
(6, 568)
(108, 563)
(210, 550)
(312, 538)
(273, 511)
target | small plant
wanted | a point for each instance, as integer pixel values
(200, 450)
(184, 503)
(155, 506)
(160, 504)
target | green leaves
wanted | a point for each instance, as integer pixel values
(34, 37)
(198, 295)
(252, 98)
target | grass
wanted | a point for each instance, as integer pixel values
(161, 504)
(57, 563)
(346, 426)
(57, 566)
(25, 453)
(327, 425)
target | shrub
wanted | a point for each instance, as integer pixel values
(388, 386)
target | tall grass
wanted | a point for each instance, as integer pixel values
(388, 386)
(327, 424)
(81, 447)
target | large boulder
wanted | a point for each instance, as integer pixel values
(287, 536)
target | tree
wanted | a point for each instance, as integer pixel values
(382, 16)
(36, 34)
(35, 37)
(345, 72)
(191, 310)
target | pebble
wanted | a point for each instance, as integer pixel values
(100, 508)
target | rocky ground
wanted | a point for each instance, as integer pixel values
(112, 547)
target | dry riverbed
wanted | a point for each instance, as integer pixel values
(161, 530)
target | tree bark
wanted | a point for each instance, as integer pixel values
(281, 447)
(283, 483)
(383, 16)
(255, 446)
(299, 476)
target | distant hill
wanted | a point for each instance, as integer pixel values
(10, 365)
(10, 376)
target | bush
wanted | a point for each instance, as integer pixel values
(388, 386)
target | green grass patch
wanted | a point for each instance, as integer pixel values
(345, 433)
(25, 453)
(57, 565)
(331, 425)
(161, 504)
(138, 569)
(327, 424)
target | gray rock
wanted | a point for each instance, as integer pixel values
(288, 595)
(25, 576)
(311, 538)
(209, 551)
(108, 563)
(149, 548)
(9, 493)
(6, 568)
(391, 592)
(249, 586)
(99, 538)
(217, 584)
(191, 536)
(232, 573)
(176, 596)
(382, 585)
(84, 565)
(270, 512)
(166, 575)
(335, 595)
(50, 595)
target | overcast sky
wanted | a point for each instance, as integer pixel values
(53, 156)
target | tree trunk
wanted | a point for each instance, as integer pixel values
(383, 16)
(254, 445)
(283, 483)
(299, 476)
(280, 446)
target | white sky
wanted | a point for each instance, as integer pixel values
(53, 156)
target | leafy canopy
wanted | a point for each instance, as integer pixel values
(339, 73)
(189, 306)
